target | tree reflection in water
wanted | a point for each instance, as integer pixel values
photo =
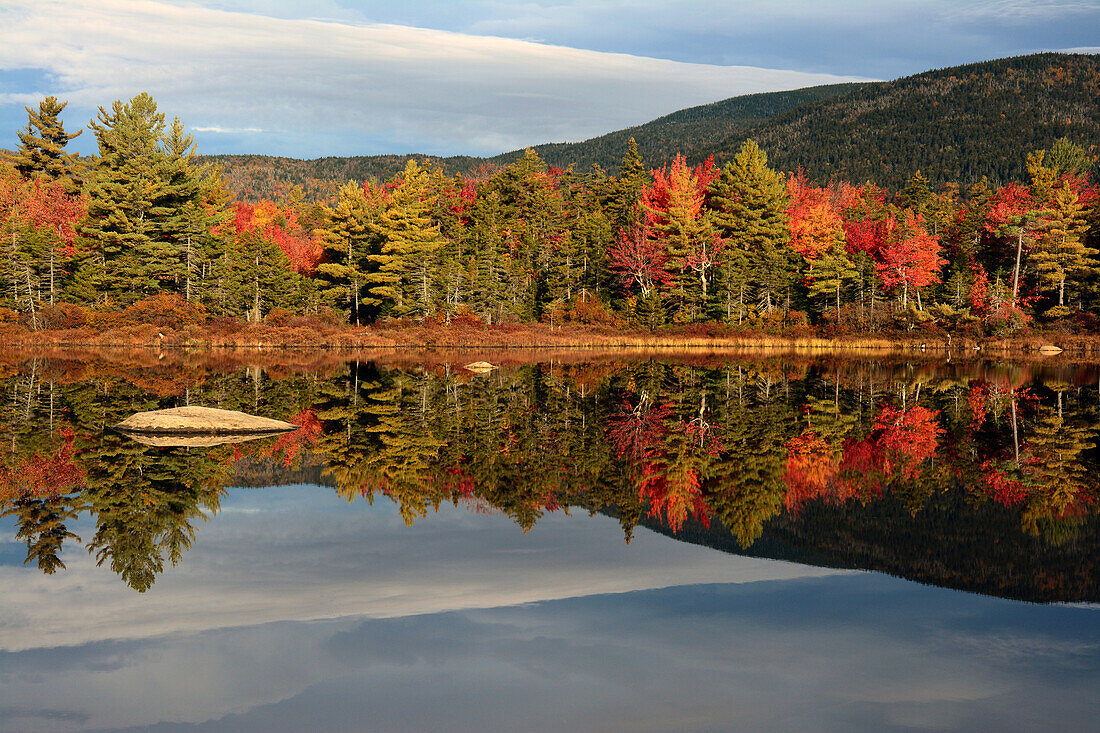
(969, 476)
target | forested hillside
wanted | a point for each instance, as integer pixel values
(253, 177)
(685, 131)
(955, 124)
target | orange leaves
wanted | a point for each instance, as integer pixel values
(812, 467)
(910, 256)
(896, 449)
(675, 198)
(814, 221)
(670, 457)
(281, 226)
(1008, 202)
(42, 204)
(51, 475)
(673, 491)
(906, 439)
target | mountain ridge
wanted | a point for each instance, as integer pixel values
(957, 123)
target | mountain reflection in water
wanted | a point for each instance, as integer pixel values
(973, 476)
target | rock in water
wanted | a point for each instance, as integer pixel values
(200, 421)
(1049, 350)
(480, 366)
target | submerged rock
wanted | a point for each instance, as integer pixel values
(201, 421)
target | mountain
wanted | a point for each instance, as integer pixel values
(681, 132)
(256, 176)
(954, 124)
(950, 543)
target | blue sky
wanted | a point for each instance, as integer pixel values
(341, 78)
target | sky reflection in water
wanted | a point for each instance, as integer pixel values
(306, 608)
(346, 628)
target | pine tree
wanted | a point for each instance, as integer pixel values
(347, 240)
(407, 264)
(126, 189)
(252, 276)
(1060, 254)
(916, 193)
(749, 201)
(1068, 157)
(830, 272)
(486, 258)
(625, 189)
(42, 146)
(1041, 176)
(194, 202)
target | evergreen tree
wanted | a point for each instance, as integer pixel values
(195, 204)
(625, 190)
(749, 201)
(1068, 157)
(126, 189)
(916, 193)
(1041, 176)
(830, 272)
(1060, 254)
(407, 263)
(42, 145)
(347, 243)
(487, 260)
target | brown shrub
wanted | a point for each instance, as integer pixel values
(166, 310)
(279, 317)
(465, 318)
(224, 325)
(64, 316)
(592, 312)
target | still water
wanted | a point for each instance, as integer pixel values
(576, 542)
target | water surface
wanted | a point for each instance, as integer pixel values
(676, 543)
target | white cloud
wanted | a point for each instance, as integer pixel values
(308, 555)
(378, 87)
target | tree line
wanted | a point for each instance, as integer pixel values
(739, 447)
(743, 245)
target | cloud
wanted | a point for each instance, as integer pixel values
(308, 555)
(334, 87)
(854, 652)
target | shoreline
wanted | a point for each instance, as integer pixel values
(525, 338)
(407, 343)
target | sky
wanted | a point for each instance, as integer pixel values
(295, 610)
(308, 78)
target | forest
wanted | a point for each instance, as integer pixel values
(144, 227)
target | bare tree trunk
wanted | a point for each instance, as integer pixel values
(189, 266)
(30, 300)
(1016, 269)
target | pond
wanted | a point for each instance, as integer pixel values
(573, 541)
